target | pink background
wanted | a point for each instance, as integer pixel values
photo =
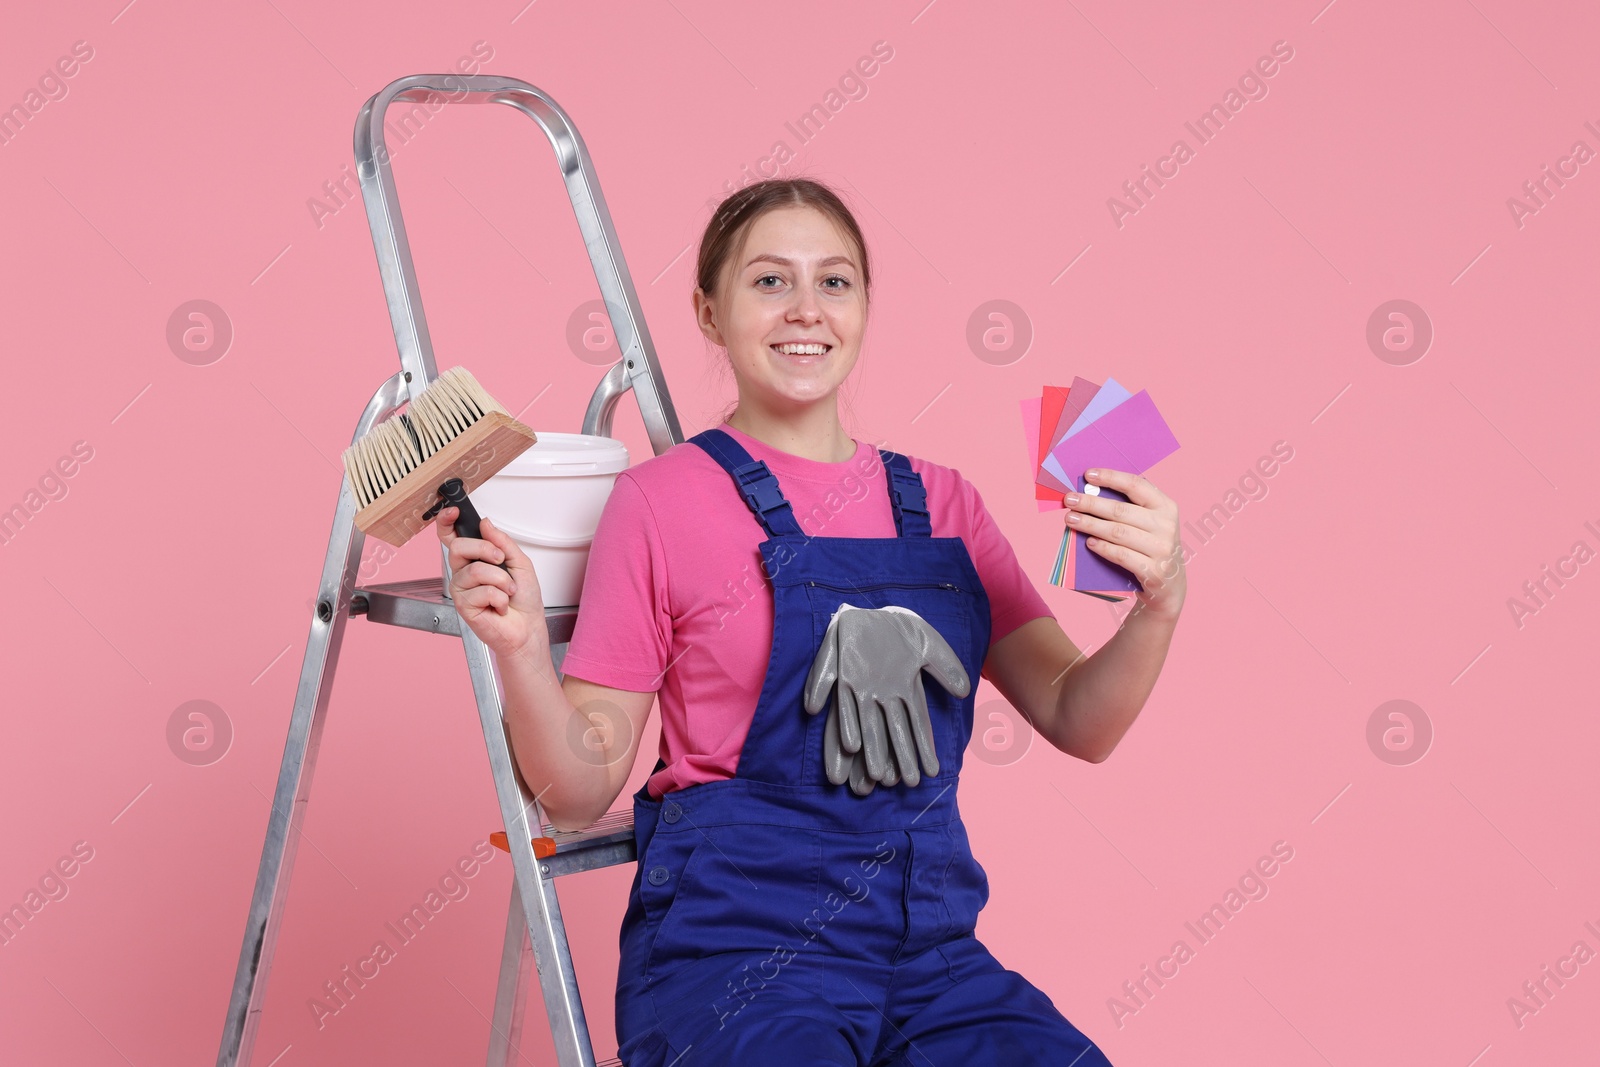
(1379, 565)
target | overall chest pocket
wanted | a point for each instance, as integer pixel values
(948, 609)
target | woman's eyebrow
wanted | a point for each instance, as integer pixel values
(770, 257)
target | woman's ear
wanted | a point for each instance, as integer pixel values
(705, 317)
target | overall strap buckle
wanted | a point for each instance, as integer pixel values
(759, 487)
(910, 499)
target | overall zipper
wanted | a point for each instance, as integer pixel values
(885, 585)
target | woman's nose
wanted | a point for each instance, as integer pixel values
(805, 305)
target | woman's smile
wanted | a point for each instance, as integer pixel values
(802, 352)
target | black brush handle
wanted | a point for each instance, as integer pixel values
(453, 494)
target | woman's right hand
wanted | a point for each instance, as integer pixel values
(504, 609)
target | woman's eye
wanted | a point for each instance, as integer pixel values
(828, 282)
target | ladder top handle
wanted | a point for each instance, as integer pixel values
(464, 89)
(588, 204)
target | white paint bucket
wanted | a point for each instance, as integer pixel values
(549, 499)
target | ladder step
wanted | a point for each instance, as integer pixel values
(605, 844)
(420, 604)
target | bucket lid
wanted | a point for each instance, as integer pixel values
(564, 454)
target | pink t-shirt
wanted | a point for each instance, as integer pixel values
(675, 601)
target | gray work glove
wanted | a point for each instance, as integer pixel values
(878, 726)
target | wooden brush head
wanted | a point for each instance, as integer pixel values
(454, 429)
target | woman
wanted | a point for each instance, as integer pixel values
(778, 913)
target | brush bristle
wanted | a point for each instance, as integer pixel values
(399, 445)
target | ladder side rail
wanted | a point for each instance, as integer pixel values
(334, 592)
(391, 245)
(510, 1000)
(552, 956)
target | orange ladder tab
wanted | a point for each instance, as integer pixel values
(543, 847)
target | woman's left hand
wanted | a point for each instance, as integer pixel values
(1139, 534)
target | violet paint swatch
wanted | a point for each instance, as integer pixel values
(1130, 437)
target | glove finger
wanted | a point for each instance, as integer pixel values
(834, 761)
(891, 775)
(922, 727)
(894, 713)
(849, 719)
(940, 660)
(874, 741)
(861, 783)
(824, 670)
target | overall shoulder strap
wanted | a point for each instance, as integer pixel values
(907, 496)
(756, 484)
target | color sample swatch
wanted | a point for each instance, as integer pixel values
(1082, 427)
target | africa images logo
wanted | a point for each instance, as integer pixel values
(1252, 85)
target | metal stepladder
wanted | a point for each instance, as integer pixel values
(534, 928)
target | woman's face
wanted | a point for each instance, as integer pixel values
(796, 280)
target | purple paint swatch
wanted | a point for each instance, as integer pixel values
(1130, 437)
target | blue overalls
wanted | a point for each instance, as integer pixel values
(776, 918)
